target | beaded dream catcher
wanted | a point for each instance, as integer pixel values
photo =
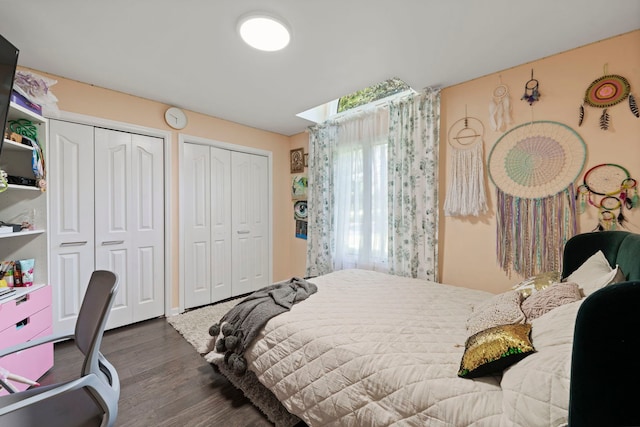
(531, 90)
(466, 193)
(609, 188)
(533, 167)
(606, 92)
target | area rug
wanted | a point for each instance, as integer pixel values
(194, 326)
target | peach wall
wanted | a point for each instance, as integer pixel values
(94, 101)
(467, 245)
(298, 247)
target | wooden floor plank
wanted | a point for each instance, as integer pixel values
(164, 381)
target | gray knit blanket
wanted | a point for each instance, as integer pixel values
(237, 329)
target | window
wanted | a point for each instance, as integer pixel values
(373, 93)
(361, 196)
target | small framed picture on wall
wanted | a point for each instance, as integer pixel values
(297, 160)
(299, 187)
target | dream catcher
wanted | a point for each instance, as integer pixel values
(466, 194)
(610, 189)
(606, 92)
(533, 167)
(500, 108)
(531, 91)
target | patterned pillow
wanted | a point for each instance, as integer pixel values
(501, 309)
(495, 349)
(546, 300)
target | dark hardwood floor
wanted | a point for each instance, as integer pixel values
(164, 381)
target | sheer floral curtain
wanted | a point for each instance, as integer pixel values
(320, 199)
(413, 185)
(360, 176)
(372, 200)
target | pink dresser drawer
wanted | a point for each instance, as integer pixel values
(14, 311)
(32, 363)
(24, 329)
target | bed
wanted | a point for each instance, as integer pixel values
(370, 349)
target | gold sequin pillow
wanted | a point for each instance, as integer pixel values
(537, 283)
(495, 349)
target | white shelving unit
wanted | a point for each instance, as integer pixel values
(27, 313)
(23, 202)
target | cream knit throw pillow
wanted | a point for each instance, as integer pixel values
(501, 309)
(546, 300)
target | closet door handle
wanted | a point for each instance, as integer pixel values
(64, 244)
(244, 231)
(112, 242)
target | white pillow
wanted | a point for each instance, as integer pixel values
(594, 274)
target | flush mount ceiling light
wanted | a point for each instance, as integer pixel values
(264, 32)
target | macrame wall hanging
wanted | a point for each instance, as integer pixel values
(606, 92)
(533, 167)
(609, 188)
(500, 108)
(466, 193)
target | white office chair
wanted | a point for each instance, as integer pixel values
(91, 399)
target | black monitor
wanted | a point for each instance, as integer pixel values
(8, 64)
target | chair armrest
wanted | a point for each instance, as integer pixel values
(34, 343)
(48, 392)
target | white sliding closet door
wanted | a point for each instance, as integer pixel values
(129, 221)
(71, 228)
(226, 223)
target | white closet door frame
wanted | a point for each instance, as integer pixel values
(166, 136)
(183, 139)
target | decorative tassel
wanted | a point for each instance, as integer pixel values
(528, 228)
(604, 120)
(581, 197)
(506, 102)
(492, 115)
(581, 114)
(633, 106)
(466, 193)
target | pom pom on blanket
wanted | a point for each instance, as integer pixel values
(243, 322)
(227, 329)
(214, 330)
(239, 365)
(231, 342)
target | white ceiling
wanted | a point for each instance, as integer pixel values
(187, 52)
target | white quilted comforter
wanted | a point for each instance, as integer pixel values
(369, 349)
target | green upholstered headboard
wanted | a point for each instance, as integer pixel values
(604, 383)
(620, 247)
